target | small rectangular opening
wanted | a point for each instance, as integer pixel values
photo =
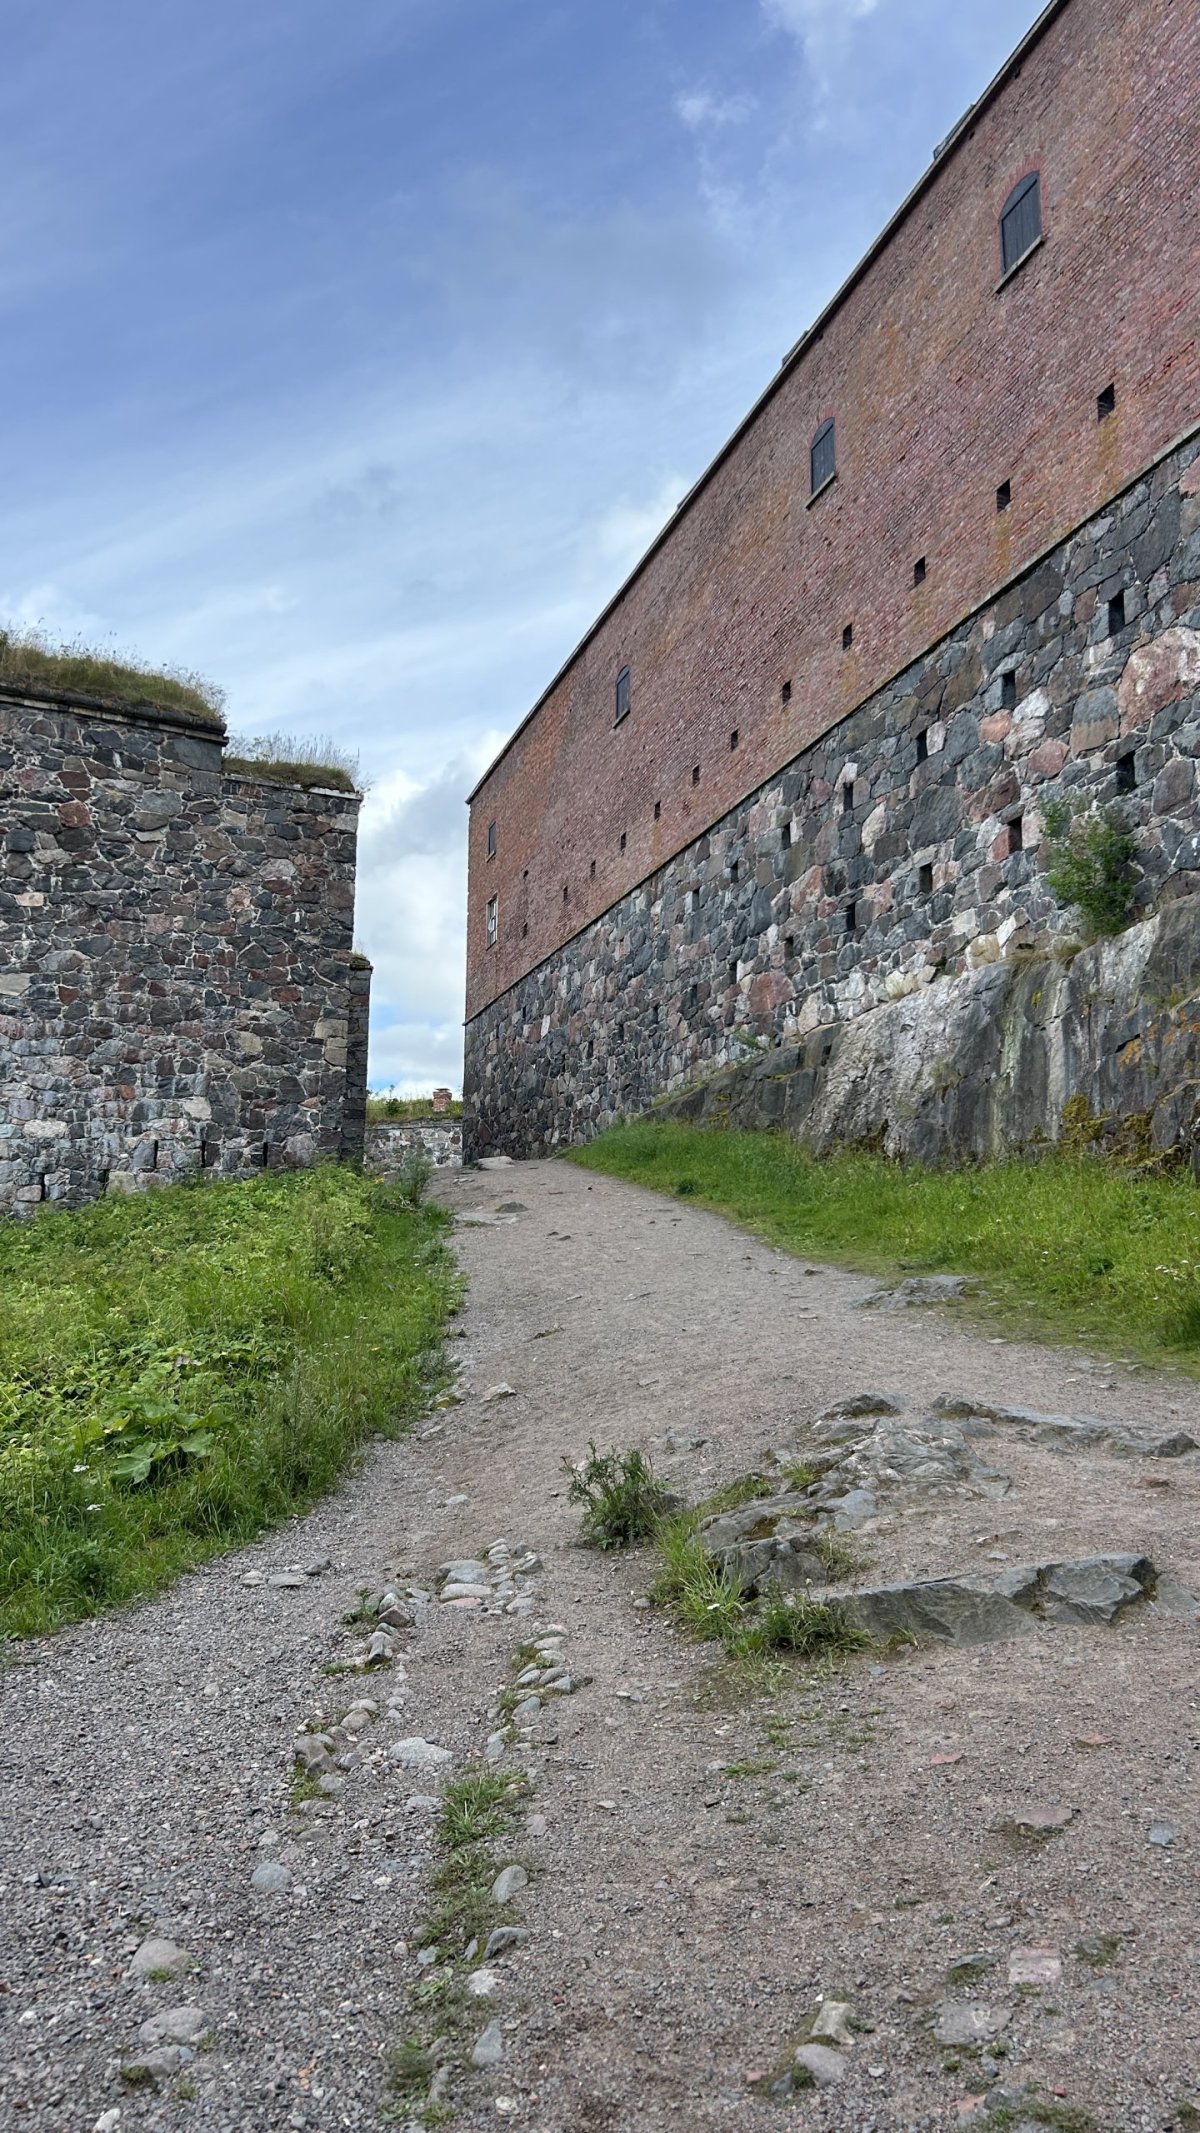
(266, 1155)
(1116, 613)
(491, 841)
(1106, 403)
(592, 871)
(591, 1050)
(524, 928)
(785, 693)
(1004, 496)
(785, 835)
(566, 893)
(847, 636)
(658, 810)
(695, 773)
(922, 746)
(690, 999)
(733, 740)
(848, 798)
(789, 947)
(925, 880)
(734, 869)
(493, 920)
(209, 1151)
(1127, 773)
(733, 973)
(919, 571)
(693, 899)
(622, 840)
(1008, 692)
(852, 916)
(620, 1033)
(654, 1013)
(1016, 834)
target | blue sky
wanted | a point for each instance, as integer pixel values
(353, 353)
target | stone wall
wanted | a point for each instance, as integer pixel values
(176, 979)
(902, 847)
(389, 1144)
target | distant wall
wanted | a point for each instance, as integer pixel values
(176, 981)
(389, 1144)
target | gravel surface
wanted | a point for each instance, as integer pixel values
(706, 1866)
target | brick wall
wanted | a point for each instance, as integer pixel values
(944, 385)
(176, 982)
(897, 852)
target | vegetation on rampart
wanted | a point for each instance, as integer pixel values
(27, 657)
(308, 760)
(1068, 1247)
(393, 1110)
(179, 1370)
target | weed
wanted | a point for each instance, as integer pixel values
(185, 2089)
(838, 1559)
(1098, 1949)
(800, 1476)
(1033, 2110)
(315, 760)
(1091, 863)
(748, 1770)
(1187, 2114)
(706, 1599)
(477, 1806)
(621, 1499)
(750, 1488)
(815, 1629)
(685, 1187)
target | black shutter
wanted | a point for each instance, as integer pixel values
(1021, 222)
(823, 456)
(622, 695)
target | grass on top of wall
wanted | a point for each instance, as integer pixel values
(308, 761)
(28, 656)
(1066, 1247)
(181, 1370)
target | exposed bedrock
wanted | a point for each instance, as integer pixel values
(995, 1061)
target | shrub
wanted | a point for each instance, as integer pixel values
(412, 1178)
(1091, 863)
(622, 1500)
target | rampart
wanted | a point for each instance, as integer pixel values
(903, 847)
(177, 984)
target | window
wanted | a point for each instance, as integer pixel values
(1016, 835)
(923, 746)
(695, 773)
(920, 572)
(622, 840)
(622, 696)
(566, 893)
(592, 871)
(1020, 222)
(789, 947)
(925, 880)
(847, 636)
(822, 457)
(733, 740)
(785, 835)
(1004, 496)
(1127, 773)
(690, 1000)
(524, 929)
(658, 810)
(491, 848)
(1116, 613)
(733, 973)
(848, 798)
(785, 694)
(1008, 692)
(1106, 403)
(851, 916)
(734, 870)
(493, 920)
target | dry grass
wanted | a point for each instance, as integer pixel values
(27, 656)
(312, 760)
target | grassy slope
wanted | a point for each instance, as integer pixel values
(266, 1329)
(1069, 1248)
(28, 656)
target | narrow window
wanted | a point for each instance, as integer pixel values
(1127, 773)
(848, 798)
(622, 840)
(823, 457)
(733, 740)
(694, 900)
(654, 1014)
(1106, 403)
(785, 835)
(690, 1003)
(493, 919)
(1020, 222)
(789, 947)
(525, 874)
(1116, 613)
(591, 1050)
(847, 636)
(923, 746)
(209, 1151)
(695, 773)
(925, 880)
(524, 929)
(620, 1033)
(1008, 692)
(1016, 835)
(566, 893)
(154, 1155)
(266, 1155)
(491, 848)
(786, 693)
(1004, 496)
(592, 871)
(734, 870)
(622, 696)
(851, 916)
(733, 973)
(919, 571)
(658, 810)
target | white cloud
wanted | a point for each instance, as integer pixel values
(699, 108)
(822, 26)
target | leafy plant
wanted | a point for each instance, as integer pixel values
(412, 1178)
(1091, 859)
(621, 1498)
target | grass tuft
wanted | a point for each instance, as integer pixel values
(291, 760)
(1068, 1246)
(29, 655)
(621, 1499)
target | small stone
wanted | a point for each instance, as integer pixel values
(381, 1649)
(509, 1883)
(831, 2024)
(1162, 1834)
(108, 2121)
(498, 1392)
(1035, 1966)
(495, 1747)
(421, 1803)
(501, 1938)
(426, 1958)
(489, 2048)
(316, 1569)
(178, 2025)
(287, 1580)
(527, 1710)
(530, 1675)
(417, 1753)
(1042, 1821)
(254, 1577)
(331, 1783)
(482, 1983)
(271, 1878)
(823, 2066)
(453, 1589)
(963, 2022)
(160, 1958)
(537, 1825)
(464, 1570)
(154, 2066)
(641, 1603)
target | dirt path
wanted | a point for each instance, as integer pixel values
(711, 1864)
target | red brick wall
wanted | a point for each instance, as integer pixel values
(943, 386)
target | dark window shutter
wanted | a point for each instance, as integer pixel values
(823, 456)
(1021, 221)
(622, 695)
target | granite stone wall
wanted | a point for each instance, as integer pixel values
(177, 988)
(390, 1143)
(904, 846)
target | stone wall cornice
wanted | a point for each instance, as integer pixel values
(31, 696)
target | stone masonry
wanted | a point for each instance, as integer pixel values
(177, 984)
(902, 847)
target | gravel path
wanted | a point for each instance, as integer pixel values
(711, 1864)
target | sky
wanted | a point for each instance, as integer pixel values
(352, 354)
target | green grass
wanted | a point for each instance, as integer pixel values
(382, 1110)
(290, 760)
(621, 1501)
(180, 1370)
(28, 656)
(709, 1603)
(1066, 1247)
